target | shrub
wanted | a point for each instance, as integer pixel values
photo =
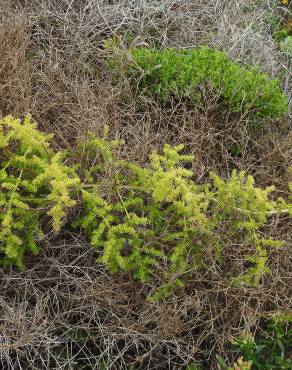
(239, 364)
(270, 349)
(152, 221)
(187, 73)
(155, 221)
(34, 182)
(286, 45)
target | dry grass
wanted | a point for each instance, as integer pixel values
(64, 309)
(52, 65)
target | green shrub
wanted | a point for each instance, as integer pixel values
(155, 221)
(187, 73)
(269, 350)
(239, 364)
(286, 45)
(34, 182)
(152, 221)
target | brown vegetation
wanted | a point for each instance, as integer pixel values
(64, 311)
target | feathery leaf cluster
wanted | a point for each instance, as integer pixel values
(34, 182)
(153, 221)
(156, 221)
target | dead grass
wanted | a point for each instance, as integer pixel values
(53, 65)
(64, 311)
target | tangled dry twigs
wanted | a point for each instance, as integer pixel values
(64, 311)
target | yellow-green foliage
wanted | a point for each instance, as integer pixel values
(155, 221)
(245, 209)
(241, 364)
(33, 182)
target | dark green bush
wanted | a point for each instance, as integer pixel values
(271, 349)
(187, 73)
